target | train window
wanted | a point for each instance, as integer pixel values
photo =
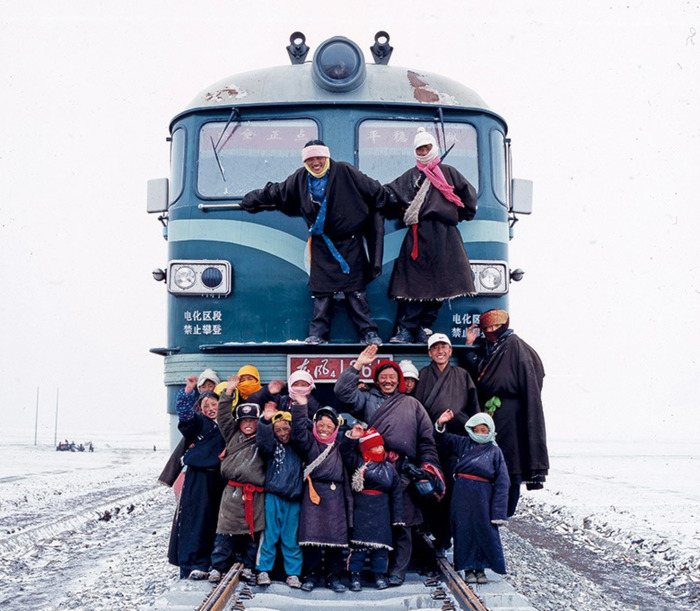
(177, 164)
(249, 154)
(498, 165)
(385, 148)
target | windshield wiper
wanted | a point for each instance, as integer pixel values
(215, 147)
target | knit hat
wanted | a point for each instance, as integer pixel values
(205, 395)
(422, 138)
(409, 370)
(493, 317)
(249, 370)
(207, 374)
(315, 148)
(436, 338)
(371, 439)
(247, 410)
(382, 365)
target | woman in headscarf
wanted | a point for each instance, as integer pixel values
(479, 496)
(431, 198)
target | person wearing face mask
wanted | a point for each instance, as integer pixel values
(340, 206)
(480, 495)
(194, 526)
(299, 383)
(509, 376)
(432, 266)
(407, 432)
(326, 500)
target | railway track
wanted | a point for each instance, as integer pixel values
(446, 592)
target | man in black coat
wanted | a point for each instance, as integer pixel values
(340, 205)
(443, 386)
(509, 376)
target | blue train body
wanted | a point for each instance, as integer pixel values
(237, 282)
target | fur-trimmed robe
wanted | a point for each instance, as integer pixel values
(354, 200)
(475, 503)
(441, 270)
(244, 464)
(512, 371)
(325, 524)
(373, 514)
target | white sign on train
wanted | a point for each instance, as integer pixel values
(327, 368)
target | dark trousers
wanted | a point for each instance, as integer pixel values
(378, 559)
(358, 311)
(413, 315)
(229, 548)
(437, 519)
(318, 561)
(403, 544)
(513, 494)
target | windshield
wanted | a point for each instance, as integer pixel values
(249, 154)
(386, 148)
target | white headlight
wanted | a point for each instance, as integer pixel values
(199, 277)
(185, 277)
(490, 278)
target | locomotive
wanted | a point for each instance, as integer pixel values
(237, 282)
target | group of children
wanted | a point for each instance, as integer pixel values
(267, 469)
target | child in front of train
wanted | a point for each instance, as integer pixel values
(323, 523)
(299, 383)
(283, 488)
(377, 504)
(242, 509)
(410, 375)
(479, 498)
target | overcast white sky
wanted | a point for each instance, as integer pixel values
(603, 104)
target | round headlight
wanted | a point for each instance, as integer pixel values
(490, 278)
(185, 277)
(338, 65)
(212, 277)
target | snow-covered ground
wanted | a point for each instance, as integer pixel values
(615, 528)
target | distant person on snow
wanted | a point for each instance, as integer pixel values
(509, 376)
(340, 205)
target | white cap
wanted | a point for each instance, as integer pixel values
(409, 370)
(438, 337)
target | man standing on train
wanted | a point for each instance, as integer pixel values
(341, 207)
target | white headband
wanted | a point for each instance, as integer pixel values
(314, 150)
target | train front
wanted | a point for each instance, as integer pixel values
(237, 282)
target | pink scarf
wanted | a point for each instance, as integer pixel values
(330, 439)
(437, 179)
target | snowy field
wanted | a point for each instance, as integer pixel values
(621, 519)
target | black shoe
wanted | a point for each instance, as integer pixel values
(404, 336)
(371, 337)
(422, 336)
(355, 582)
(395, 580)
(314, 340)
(334, 584)
(308, 585)
(381, 582)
